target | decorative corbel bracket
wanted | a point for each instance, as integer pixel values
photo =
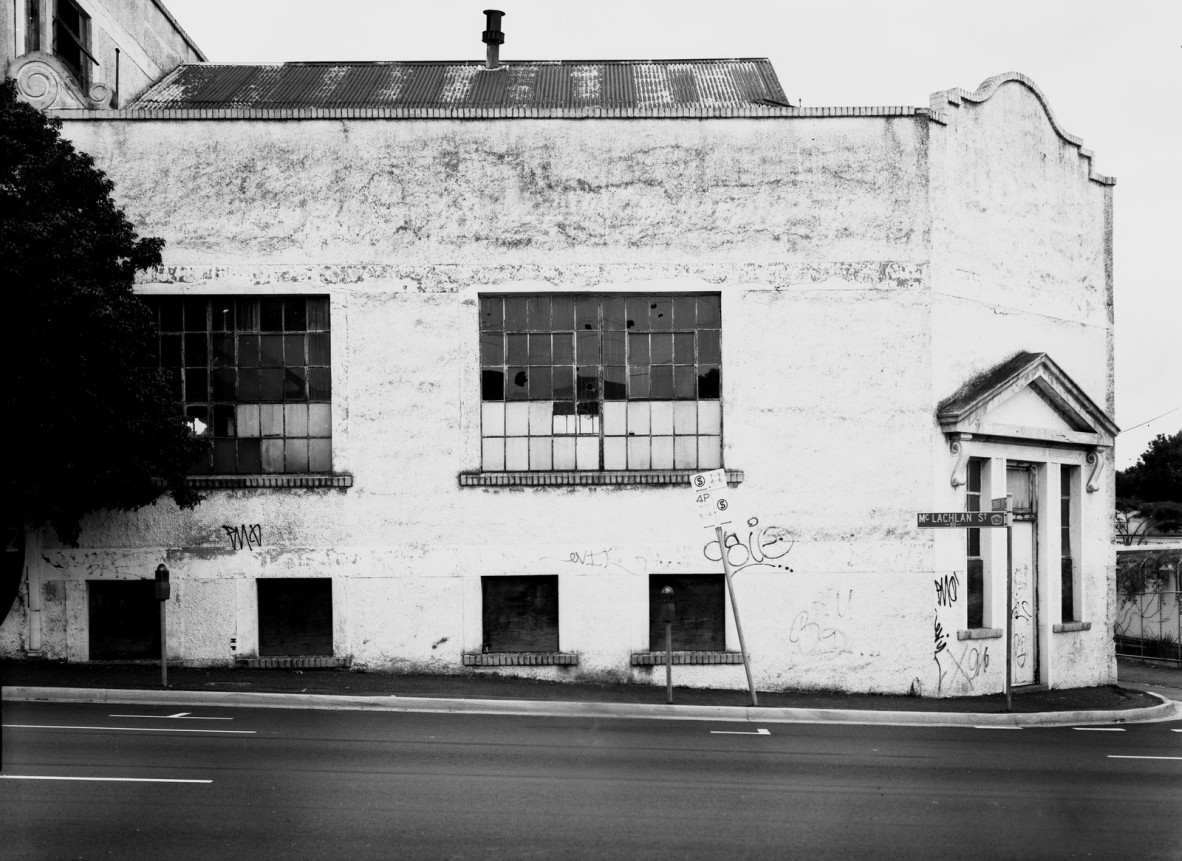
(960, 451)
(1097, 464)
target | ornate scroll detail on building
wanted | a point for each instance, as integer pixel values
(960, 469)
(1097, 463)
(43, 82)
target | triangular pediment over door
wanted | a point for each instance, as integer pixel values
(1027, 399)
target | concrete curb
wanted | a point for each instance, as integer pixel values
(749, 714)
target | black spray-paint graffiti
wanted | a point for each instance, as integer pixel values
(941, 638)
(760, 546)
(245, 537)
(946, 588)
(607, 558)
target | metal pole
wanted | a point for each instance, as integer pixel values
(163, 647)
(726, 568)
(1009, 603)
(669, 662)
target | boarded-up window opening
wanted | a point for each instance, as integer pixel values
(124, 620)
(295, 616)
(701, 612)
(520, 614)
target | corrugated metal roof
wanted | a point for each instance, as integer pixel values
(581, 87)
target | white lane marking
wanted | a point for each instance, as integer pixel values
(1176, 730)
(128, 728)
(1097, 729)
(760, 731)
(107, 779)
(1119, 756)
(985, 726)
(178, 715)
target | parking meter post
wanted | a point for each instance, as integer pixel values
(669, 662)
(726, 569)
(668, 614)
(163, 589)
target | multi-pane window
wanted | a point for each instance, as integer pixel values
(1067, 567)
(253, 374)
(579, 382)
(975, 565)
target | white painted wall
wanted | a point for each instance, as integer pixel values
(851, 305)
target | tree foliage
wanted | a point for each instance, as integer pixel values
(1149, 493)
(91, 420)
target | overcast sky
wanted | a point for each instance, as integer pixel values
(1112, 72)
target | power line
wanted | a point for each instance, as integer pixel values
(1155, 418)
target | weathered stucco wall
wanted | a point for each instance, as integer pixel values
(816, 233)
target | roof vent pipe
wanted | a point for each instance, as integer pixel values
(493, 37)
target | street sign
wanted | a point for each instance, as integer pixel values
(712, 496)
(961, 519)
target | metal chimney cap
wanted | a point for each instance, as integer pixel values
(493, 35)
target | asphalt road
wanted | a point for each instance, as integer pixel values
(128, 782)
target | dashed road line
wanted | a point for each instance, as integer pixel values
(1097, 729)
(759, 731)
(1123, 756)
(177, 716)
(986, 726)
(130, 728)
(103, 779)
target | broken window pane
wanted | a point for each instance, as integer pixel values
(492, 384)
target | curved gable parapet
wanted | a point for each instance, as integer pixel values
(944, 99)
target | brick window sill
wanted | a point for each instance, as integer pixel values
(339, 479)
(522, 659)
(652, 659)
(287, 662)
(980, 634)
(566, 478)
(1067, 627)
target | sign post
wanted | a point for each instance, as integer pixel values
(1006, 504)
(1000, 516)
(712, 497)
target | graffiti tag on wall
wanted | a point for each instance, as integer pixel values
(759, 546)
(953, 666)
(244, 536)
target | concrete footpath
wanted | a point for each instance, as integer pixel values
(1144, 693)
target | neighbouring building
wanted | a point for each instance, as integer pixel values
(90, 54)
(461, 331)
